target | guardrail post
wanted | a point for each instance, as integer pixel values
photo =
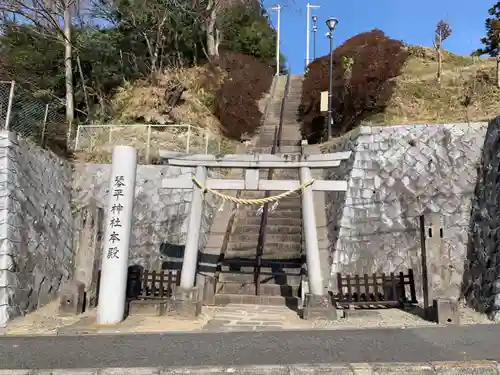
(190, 261)
(207, 136)
(188, 138)
(148, 145)
(44, 128)
(311, 235)
(110, 135)
(114, 269)
(77, 138)
(9, 106)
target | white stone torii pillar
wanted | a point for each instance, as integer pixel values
(311, 236)
(188, 272)
(116, 243)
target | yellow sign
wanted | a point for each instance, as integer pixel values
(323, 107)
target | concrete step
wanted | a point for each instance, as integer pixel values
(284, 149)
(293, 222)
(275, 271)
(282, 251)
(249, 278)
(231, 254)
(291, 202)
(287, 127)
(253, 237)
(270, 229)
(285, 137)
(225, 299)
(269, 248)
(294, 210)
(288, 213)
(264, 290)
(284, 207)
(290, 135)
(290, 143)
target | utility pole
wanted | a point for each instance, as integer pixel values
(308, 31)
(277, 8)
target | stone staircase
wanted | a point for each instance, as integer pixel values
(280, 272)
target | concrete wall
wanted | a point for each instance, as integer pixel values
(396, 174)
(35, 226)
(482, 271)
(160, 216)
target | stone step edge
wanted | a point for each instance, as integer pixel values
(469, 367)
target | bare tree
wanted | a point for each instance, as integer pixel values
(214, 13)
(212, 32)
(45, 15)
(443, 31)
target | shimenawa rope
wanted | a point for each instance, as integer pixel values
(250, 201)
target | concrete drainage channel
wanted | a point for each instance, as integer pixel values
(424, 368)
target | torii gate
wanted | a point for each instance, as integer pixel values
(251, 164)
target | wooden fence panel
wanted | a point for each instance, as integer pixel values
(377, 290)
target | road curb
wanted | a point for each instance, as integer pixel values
(422, 368)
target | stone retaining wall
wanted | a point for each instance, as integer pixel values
(39, 195)
(396, 174)
(160, 216)
(35, 227)
(482, 271)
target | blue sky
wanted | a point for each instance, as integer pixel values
(408, 20)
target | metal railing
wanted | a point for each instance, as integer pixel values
(32, 115)
(278, 130)
(282, 112)
(148, 138)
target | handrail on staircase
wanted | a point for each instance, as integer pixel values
(282, 111)
(265, 210)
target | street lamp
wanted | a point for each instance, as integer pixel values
(315, 28)
(331, 23)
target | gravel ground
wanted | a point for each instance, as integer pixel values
(397, 318)
(227, 319)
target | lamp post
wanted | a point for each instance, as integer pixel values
(277, 8)
(308, 31)
(331, 23)
(315, 29)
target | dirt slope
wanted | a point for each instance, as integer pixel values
(467, 91)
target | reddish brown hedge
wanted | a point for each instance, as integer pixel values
(366, 91)
(236, 102)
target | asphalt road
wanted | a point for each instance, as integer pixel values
(466, 343)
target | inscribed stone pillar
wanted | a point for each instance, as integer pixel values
(116, 242)
(89, 222)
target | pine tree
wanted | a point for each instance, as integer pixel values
(492, 39)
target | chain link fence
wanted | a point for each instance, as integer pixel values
(32, 117)
(148, 139)
(43, 121)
